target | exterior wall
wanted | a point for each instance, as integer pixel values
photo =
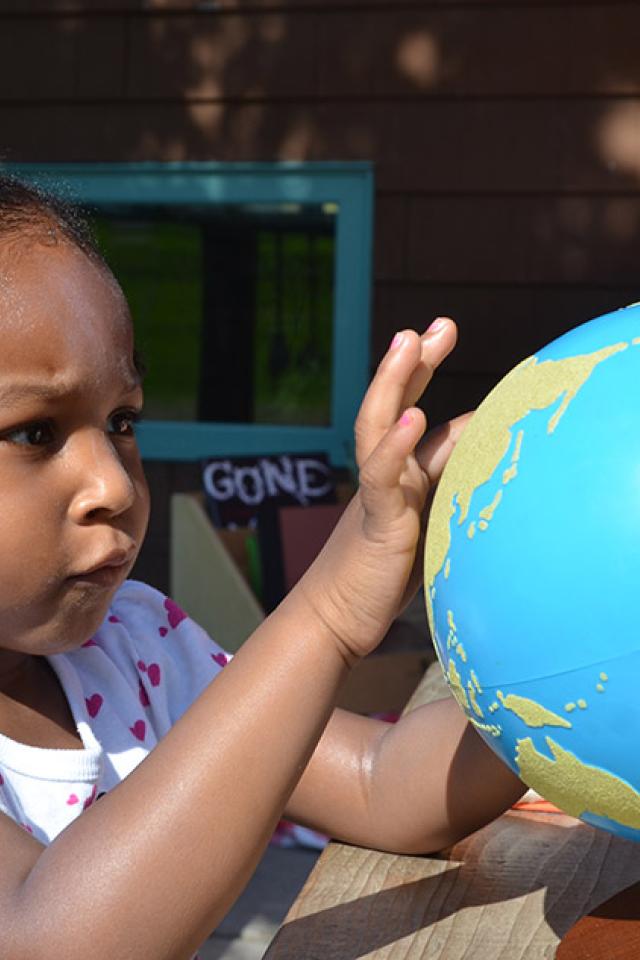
(506, 138)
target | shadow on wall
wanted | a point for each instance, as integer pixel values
(506, 139)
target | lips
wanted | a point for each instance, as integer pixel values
(106, 569)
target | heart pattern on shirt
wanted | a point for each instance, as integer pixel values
(174, 614)
(153, 672)
(94, 702)
(139, 729)
(143, 695)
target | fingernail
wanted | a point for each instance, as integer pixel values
(397, 340)
(405, 419)
(437, 324)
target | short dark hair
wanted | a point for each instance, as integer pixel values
(28, 211)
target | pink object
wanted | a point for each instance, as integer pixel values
(144, 696)
(94, 702)
(90, 643)
(174, 613)
(90, 798)
(437, 325)
(139, 729)
(220, 658)
(289, 834)
(72, 800)
(153, 672)
(163, 631)
(114, 619)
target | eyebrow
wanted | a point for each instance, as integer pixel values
(17, 392)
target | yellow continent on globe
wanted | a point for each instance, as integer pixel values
(564, 778)
(487, 438)
(568, 781)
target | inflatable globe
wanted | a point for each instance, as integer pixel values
(532, 571)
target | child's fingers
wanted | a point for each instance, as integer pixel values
(436, 343)
(382, 404)
(433, 453)
(400, 379)
(383, 495)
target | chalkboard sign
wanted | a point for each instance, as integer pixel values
(238, 489)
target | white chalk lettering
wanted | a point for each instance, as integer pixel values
(278, 476)
(218, 481)
(301, 478)
(249, 485)
(313, 480)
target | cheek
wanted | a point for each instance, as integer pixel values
(31, 496)
(142, 502)
(143, 509)
(30, 550)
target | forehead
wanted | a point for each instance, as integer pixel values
(60, 310)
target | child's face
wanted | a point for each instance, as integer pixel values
(73, 499)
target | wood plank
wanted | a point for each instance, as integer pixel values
(529, 240)
(510, 891)
(150, 7)
(57, 8)
(451, 394)
(446, 50)
(220, 57)
(390, 237)
(479, 146)
(498, 326)
(75, 58)
(483, 50)
(438, 51)
(453, 148)
(486, 50)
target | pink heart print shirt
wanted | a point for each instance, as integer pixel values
(126, 687)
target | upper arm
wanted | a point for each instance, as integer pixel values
(20, 853)
(403, 787)
(332, 795)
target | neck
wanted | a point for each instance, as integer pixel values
(33, 707)
(16, 669)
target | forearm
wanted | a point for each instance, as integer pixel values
(412, 787)
(216, 786)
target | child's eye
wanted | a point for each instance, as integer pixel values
(37, 434)
(122, 423)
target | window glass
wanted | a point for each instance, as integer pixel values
(232, 306)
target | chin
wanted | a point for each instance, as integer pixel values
(84, 613)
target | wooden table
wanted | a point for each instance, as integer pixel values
(508, 892)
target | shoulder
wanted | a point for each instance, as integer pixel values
(163, 655)
(153, 621)
(138, 604)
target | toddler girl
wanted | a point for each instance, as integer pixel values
(109, 692)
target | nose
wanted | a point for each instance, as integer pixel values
(104, 485)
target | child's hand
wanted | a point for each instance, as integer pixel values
(368, 567)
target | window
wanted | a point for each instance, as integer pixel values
(250, 291)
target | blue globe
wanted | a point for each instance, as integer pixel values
(532, 571)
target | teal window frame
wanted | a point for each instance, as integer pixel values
(348, 185)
